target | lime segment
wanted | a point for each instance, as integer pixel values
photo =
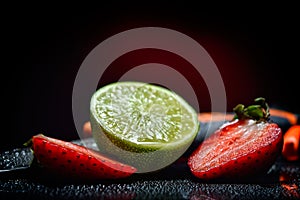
(130, 118)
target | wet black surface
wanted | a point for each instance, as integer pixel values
(282, 181)
(173, 182)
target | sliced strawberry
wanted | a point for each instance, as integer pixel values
(247, 145)
(72, 160)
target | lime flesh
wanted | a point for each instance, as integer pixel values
(141, 124)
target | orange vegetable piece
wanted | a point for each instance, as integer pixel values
(291, 138)
(218, 116)
(87, 129)
(206, 117)
(292, 118)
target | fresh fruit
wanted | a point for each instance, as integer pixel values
(247, 145)
(144, 125)
(75, 161)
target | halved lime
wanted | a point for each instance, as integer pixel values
(141, 124)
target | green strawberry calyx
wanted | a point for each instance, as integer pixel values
(259, 111)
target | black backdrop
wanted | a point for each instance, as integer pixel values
(256, 51)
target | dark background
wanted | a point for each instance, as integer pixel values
(256, 51)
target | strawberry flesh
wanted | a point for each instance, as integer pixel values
(72, 160)
(239, 148)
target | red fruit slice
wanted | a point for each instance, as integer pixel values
(247, 145)
(239, 148)
(76, 161)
